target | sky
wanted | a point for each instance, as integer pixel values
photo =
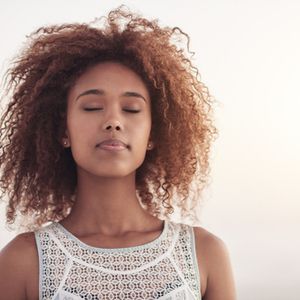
(247, 53)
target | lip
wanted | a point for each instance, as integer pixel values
(112, 145)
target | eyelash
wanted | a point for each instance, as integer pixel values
(127, 110)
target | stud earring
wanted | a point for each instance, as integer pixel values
(150, 146)
(65, 143)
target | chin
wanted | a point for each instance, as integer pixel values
(115, 173)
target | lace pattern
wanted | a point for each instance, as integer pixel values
(162, 269)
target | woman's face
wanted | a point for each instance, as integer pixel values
(108, 102)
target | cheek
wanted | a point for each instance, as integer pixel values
(79, 128)
(142, 131)
(141, 135)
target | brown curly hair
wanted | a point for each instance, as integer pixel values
(39, 174)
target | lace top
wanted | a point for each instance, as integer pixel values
(165, 268)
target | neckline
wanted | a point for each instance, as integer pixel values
(82, 244)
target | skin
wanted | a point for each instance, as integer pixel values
(106, 178)
(107, 212)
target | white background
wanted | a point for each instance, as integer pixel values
(248, 55)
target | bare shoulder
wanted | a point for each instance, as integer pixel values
(209, 244)
(18, 265)
(20, 251)
(214, 263)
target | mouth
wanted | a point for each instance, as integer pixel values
(112, 148)
(112, 145)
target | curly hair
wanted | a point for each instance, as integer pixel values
(39, 175)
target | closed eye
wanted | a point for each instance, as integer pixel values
(92, 108)
(132, 111)
(127, 110)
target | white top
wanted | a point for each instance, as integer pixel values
(165, 268)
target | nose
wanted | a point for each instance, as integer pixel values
(112, 125)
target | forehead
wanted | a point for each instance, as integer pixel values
(110, 77)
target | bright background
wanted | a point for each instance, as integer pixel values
(248, 53)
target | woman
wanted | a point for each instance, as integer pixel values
(106, 130)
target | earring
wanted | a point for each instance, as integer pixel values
(150, 146)
(65, 142)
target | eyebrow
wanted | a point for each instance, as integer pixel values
(101, 93)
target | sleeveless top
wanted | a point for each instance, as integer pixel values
(165, 268)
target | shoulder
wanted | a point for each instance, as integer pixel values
(18, 259)
(214, 263)
(21, 250)
(209, 244)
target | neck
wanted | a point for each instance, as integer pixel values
(108, 205)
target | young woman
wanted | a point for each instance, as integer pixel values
(106, 129)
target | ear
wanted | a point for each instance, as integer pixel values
(65, 139)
